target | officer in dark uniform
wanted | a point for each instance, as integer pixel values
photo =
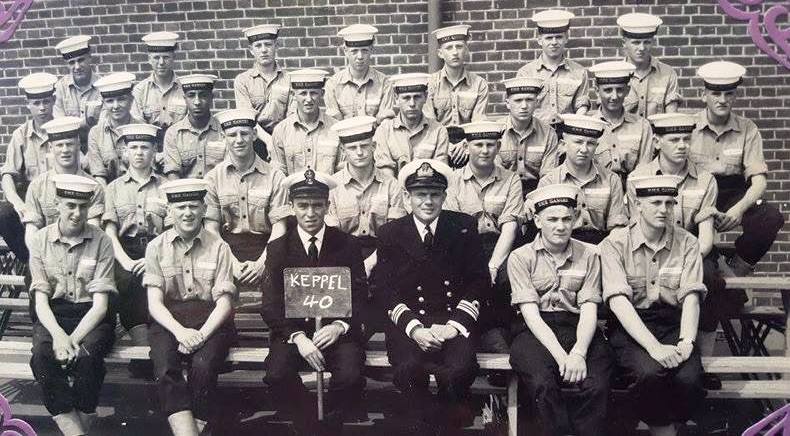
(335, 347)
(431, 276)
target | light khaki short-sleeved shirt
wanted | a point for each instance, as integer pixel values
(650, 276)
(736, 150)
(40, 207)
(652, 93)
(494, 201)
(298, 146)
(269, 95)
(346, 98)
(246, 202)
(156, 105)
(397, 145)
(453, 104)
(565, 89)
(696, 198)
(625, 143)
(27, 155)
(136, 207)
(555, 285)
(200, 270)
(360, 210)
(107, 150)
(530, 154)
(71, 269)
(600, 202)
(191, 152)
(75, 102)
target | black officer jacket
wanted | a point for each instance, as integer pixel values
(446, 283)
(287, 251)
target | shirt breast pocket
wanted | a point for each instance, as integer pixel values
(572, 280)
(441, 104)
(669, 278)
(630, 147)
(692, 199)
(156, 206)
(229, 203)
(257, 100)
(543, 283)
(86, 268)
(188, 157)
(204, 274)
(596, 198)
(495, 204)
(567, 87)
(259, 207)
(347, 209)
(535, 156)
(733, 158)
(603, 155)
(124, 211)
(215, 152)
(638, 286)
(177, 109)
(379, 205)
(424, 151)
(372, 106)
(466, 103)
(507, 158)
(280, 93)
(56, 278)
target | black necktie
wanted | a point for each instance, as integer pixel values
(428, 240)
(312, 251)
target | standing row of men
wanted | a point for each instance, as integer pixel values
(443, 278)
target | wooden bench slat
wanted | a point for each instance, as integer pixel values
(14, 303)
(759, 282)
(12, 280)
(751, 389)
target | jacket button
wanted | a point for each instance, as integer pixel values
(447, 283)
(419, 288)
(449, 294)
(449, 309)
(422, 312)
(421, 300)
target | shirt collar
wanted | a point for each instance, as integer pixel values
(703, 121)
(638, 236)
(172, 235)
(509, 126)
(305, 237)
(213, 124)
(344, 176)
(346, 77)
(464, 76)
(467, 174)
(654, 167)
(127, 177)
(421, 226)
(257, 72)
(31, 131)
(627, 118)
(397, 122)
(173, 84)
(542, 62)
(564, 173)
(298, 122)
(69, 79)
(54, 235)
(257, 165)
(566, 255)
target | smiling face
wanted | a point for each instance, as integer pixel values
(553, 44)
(426, 203)
(310, 212)
(65, 152)
(118, 107)
(264, 51)
(556, 224)
(453, 53)
(162, 63)
(80, 68)
(187, 215)
(239, 140)
(613, 95)
(521, 106)
(72, 214)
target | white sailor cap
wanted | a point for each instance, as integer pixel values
(410, 82)
(647, 186)
(310, 78)
(638, 25)
(38, 85)
(358, 35)
(458, 32)
(607, 73)
(62, 128)
(721, 75)
(237, 117)
(138, 132)
(115, 84)
(74, 47)
(184, 190)
(554, 195)
(583, 125)
(159, 42)
(425, 173)
(309, 183)
(355, 129)
(262, 31)
(194, 82)
(490, 130)
(672, 123)
(523, 85)
(553, 21)
(74, 186)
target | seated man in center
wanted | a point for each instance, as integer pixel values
(335, 347)
(431, 276)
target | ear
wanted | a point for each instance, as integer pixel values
(537, 220)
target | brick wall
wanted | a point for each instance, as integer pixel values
(695, 32)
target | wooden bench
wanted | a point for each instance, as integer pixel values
(758, 321)
(731, 389)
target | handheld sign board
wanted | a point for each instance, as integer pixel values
(317, 292)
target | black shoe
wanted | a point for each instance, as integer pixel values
(711, 382)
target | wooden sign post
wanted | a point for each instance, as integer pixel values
(318, 292)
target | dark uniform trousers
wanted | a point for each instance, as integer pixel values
(196, 392)
(87, 372)
(132, 301)
(344, 359)
(719, 303)
(761, 222)
(12, 231)
(496, 313)
(659, 396)
(582, 412)
(454, 366)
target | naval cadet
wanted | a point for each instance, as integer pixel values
(431, 276)
(652, 283)
(71, 267)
